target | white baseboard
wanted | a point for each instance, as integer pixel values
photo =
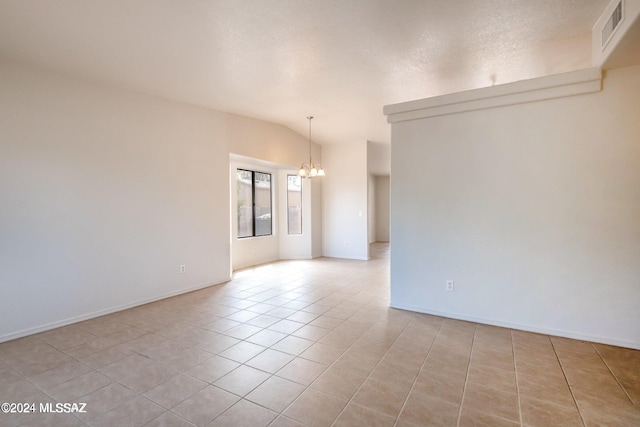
(528, 328)
(93, 315)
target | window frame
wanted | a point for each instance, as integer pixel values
(253, 204)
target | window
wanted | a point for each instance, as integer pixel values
(254, 203)
(294, 204)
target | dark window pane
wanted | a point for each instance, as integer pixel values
(254, 203)
(262, 182)
(244, 183)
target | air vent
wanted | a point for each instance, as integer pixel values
(612, 24)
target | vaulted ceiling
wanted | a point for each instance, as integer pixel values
(282, 60)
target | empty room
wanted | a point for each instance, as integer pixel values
(332, 213)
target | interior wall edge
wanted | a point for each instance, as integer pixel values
(521, 327)
(88, 316)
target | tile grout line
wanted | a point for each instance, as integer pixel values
(94, 369)
(271, 375)
(419, 371)
(307, 387)
(515, 368)
(216, 354)
(466, 378)
(613, 375)
(97, 370)
(308, 303)
(575, 402)
(373, 369)
(57, 366)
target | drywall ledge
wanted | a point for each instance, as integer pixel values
(540, 89)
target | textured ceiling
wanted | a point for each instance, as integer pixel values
(281, 60)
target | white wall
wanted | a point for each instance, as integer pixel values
(532, 209)
(382, 208)
(263, 142)
(344, 201)
(316, 218)
(106, 192)
(371, 207)
(378, 158)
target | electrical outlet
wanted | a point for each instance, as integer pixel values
(183, 268)
(450, 286)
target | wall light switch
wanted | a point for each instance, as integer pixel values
(450, 285)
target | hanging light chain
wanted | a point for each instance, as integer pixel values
(309, 170)
(310, 118)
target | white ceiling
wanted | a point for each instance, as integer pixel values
(282, 60)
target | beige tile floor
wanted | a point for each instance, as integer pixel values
(313, 343)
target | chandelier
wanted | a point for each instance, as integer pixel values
(310, 170)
